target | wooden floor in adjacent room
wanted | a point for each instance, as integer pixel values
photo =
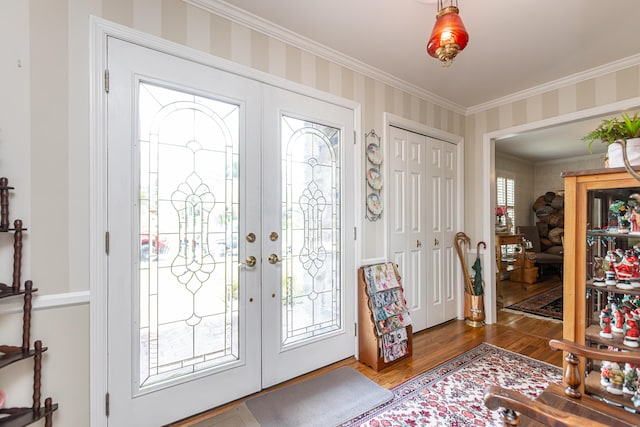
(515, 332)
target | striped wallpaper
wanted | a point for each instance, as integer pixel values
(179, 21)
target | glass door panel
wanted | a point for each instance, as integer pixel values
(188, 234)
(311, 277)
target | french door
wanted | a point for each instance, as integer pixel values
(229, 265)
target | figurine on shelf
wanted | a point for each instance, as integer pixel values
(631, 333)
(610, 275)
(636, 398)
(630, 385)
(616, 378)
(598, 271)
(635, 220)
(617, 211)
(604, 373)
(618, 318)
(605, 323)
(627, 269)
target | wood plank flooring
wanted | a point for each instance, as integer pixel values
(515, 332)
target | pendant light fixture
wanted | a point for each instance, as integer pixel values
(449, 35)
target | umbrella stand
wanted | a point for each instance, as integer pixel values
(473, 285)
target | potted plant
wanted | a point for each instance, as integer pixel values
(624, 128)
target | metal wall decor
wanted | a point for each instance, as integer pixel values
(374, 176)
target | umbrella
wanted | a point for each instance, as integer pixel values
(478, 286)
(473, 286)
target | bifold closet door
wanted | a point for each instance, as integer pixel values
(421, 197)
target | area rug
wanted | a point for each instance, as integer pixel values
(547, 304)
(452, 394)
(325, 400)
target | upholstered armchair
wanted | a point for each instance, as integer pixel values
(550, 257)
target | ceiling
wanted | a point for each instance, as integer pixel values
(513, 45)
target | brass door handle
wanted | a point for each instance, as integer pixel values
(249, 262)
(436, 242)
(273, 259)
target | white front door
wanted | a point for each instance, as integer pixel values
(308, 262)
(197, 203)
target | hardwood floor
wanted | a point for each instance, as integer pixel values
(515, 332)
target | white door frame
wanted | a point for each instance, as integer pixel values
(390, 119)
(100, 29)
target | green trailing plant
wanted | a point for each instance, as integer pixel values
(609, 130)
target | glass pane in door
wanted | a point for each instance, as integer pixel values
(188, 222)
(311, 190)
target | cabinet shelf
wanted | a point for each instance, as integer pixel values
(613, 289)
(594, 388)
(594, 233)
(592, 334)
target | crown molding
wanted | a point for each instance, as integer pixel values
(254, 22)
(556, 84)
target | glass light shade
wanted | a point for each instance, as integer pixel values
(448, 36)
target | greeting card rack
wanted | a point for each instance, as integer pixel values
(9, 354)
(384, 324)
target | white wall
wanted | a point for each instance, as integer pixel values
(548, 175)
(523, 173)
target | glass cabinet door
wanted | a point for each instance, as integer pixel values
(613, 290)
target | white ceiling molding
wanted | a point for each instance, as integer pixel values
(556, 84)
(242, 17)
(257, 23)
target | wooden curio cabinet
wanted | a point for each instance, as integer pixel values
(591, 233)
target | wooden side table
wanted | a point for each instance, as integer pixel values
(505, 239)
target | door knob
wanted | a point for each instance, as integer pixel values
(273, 259)
(418, 244)
(249, 262)
(436, 242)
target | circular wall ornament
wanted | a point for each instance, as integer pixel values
(374, 204)
(374, 178)
(373, 153)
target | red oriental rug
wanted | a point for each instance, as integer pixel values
(547, 304)
(452, 394)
